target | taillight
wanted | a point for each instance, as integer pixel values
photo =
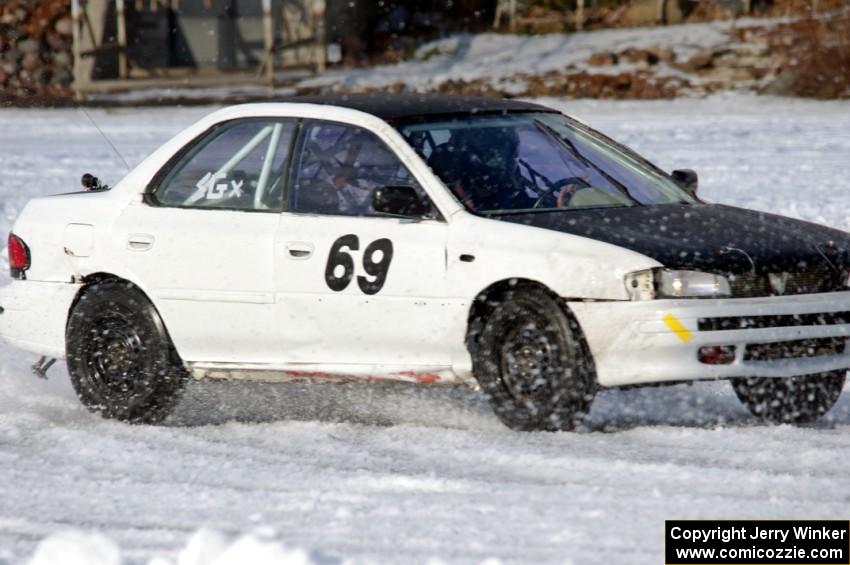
(19, 257)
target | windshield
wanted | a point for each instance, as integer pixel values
(536, 162)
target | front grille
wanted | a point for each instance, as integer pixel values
(772, 321)
(813, 281)
(797, 349)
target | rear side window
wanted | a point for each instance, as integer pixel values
(239, 165)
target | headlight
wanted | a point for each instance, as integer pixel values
(664, 283)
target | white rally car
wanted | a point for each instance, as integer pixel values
(430, 239)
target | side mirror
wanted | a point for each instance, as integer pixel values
(687, 179)
(92, 184)
(399, 201)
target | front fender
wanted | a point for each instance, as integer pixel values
(482, 251)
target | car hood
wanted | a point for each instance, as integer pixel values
(705, 237)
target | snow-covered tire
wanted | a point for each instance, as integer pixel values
(532, 362)
(120, 358)
(793, 400)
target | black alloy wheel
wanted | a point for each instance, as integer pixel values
(531, 360)
(120, 358)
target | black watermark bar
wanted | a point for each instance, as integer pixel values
(757, 542)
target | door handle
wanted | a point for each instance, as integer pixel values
(140, 242)
(299, 249)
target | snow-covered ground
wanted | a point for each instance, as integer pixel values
(398, 474)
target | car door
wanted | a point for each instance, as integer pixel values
(357, 288)
(202, 241)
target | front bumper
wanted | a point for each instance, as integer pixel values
(634, 343)
(35, 314)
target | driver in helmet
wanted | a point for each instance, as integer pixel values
(348, 170)
(481, 166)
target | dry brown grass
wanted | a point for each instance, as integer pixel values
(818, 58)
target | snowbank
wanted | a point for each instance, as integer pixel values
(76, 547)
(205, 547)
(498, 57)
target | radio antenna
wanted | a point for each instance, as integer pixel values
(104, 137)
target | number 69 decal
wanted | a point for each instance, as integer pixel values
(376, 262)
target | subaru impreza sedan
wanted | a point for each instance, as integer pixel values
(432, 239)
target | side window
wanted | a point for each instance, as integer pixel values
(238, 166)
(338, 167)
(543, 162)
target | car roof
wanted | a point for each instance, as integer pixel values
(389, 106)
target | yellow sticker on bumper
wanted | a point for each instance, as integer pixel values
(676, 326)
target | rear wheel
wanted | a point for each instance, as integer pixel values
(792, 400)
(531, 361)
(120, 358)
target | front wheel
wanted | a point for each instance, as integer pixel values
(120, 358)
(791, 400)
(532, 362)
